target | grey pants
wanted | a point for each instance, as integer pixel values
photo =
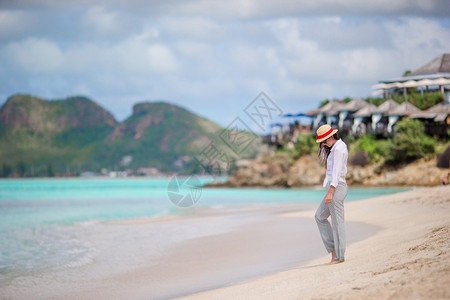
(333, 237)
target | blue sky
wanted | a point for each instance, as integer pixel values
(214, 57)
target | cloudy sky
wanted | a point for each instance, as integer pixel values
(214, 57)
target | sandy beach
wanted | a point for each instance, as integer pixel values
(408, 259)
(398, 249)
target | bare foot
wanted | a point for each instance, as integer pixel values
(333, 255)
(333, 261)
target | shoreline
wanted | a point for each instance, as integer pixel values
(219, 185)
(315, 186)
(260, 251)
(407, 258)
(210, 249)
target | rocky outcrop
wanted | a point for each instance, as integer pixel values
(266, 170)
(137, 127)
(423, 172)
(306, 171)
(276, 170)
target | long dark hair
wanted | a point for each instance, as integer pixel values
(324, 151)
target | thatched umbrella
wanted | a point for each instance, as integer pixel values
(441, 82)
(424, 82)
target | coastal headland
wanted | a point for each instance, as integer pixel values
(278, 170)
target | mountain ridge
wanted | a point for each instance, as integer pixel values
(76, 134)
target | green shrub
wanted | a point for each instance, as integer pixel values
(307, 144)
(422, 102)
(377, 150)
(324, 102)
(411, 142)
(375, 100)
(291, 150)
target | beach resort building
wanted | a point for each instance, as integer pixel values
(436, 118)
(434, 75)
(359, 117)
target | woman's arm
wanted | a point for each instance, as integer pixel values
(339, 159)
(329, 195)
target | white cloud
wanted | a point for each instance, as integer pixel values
(36, 55)
(41, 56)
(141, 56)
(252, 9)
(97, 18)
(199, 58)
(250, 59)
(418, 40)
(273, 9)
(87, 58)
(199, 53)
(160, 58)
(197, 28)
(16, 24)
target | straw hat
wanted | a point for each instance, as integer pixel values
(324, 132)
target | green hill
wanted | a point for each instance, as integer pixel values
(76, 134)
(36, 134)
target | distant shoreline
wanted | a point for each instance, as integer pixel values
(206, 186)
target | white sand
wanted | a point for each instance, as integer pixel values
(408, 259)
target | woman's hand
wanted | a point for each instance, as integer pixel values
(329, 195)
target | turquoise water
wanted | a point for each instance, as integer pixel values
(36, 202)
(38, 216)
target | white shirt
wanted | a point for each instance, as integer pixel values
(336, 164)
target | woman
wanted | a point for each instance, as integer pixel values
(333, 151)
